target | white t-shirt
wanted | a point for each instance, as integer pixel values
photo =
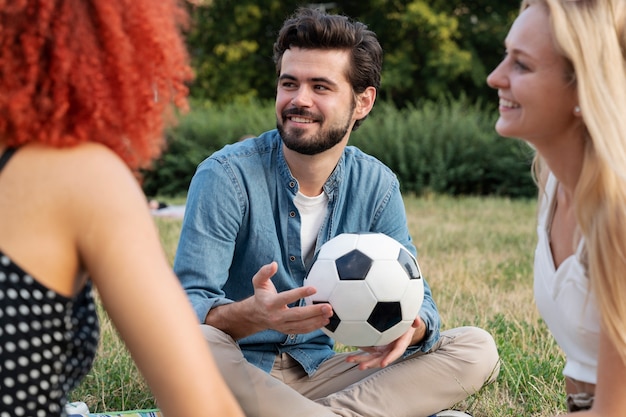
(564, 298)
(312, 213)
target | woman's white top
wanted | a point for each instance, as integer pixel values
(564, 298)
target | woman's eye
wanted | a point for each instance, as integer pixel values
(520, 66)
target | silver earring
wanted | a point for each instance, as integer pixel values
(577, 109)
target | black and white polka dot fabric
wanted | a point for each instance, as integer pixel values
(47, 343)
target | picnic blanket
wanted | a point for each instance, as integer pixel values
(133, 413)
(175, 212)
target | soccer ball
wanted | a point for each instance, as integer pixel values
(373, 284)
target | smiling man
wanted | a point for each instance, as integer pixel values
(257, 212)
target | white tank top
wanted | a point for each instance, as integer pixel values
(564, 299)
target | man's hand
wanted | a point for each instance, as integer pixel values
(381, 356)
(271, 310)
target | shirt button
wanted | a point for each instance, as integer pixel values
(292, 214)
(292, 184)
(292, 258)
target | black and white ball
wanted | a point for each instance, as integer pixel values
(373, 284)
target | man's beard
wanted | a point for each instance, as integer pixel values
(324, 140)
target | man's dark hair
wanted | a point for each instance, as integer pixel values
(311, 28)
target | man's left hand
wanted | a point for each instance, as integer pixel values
(381, 356)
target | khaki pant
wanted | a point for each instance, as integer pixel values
(459, 364)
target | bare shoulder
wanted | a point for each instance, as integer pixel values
(88, 158)
(87, 162)
(62, 198)
(55, 175)
(87, 178)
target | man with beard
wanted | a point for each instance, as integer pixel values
(258, 210)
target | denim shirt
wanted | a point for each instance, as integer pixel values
(240, 215)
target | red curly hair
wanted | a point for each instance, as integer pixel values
(107, 71)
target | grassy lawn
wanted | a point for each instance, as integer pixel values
(476, 254)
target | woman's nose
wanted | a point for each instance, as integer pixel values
(496, 78)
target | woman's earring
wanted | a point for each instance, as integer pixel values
(577, 109)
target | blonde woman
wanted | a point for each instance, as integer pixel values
(86, 88)
(562, 89)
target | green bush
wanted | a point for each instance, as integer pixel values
(447, 147)
(204, 130)
(444, 147)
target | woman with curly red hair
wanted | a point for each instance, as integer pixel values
(86, 89)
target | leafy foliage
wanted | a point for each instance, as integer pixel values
(432, 48)
(231, 46)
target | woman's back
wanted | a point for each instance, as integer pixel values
(65, 211)
(86, 90)
(48, 320)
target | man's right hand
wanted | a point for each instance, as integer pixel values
(269, 309)
(272, 310)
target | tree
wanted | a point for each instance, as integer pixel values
(231, 48)
(483, 25)
(432, 48)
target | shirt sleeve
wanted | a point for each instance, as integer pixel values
(207, 240)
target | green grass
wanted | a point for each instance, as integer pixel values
(476, 254)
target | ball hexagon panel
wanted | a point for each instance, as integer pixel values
(412, 300)
(362, 300)
(378, 246)
(326, 278)
(393, 333)
(388, 280)
(358, 333)
(338, 246)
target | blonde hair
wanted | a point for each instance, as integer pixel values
(590, 35)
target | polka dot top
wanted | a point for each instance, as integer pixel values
(47, 343)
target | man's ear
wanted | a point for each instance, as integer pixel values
(364, 103)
